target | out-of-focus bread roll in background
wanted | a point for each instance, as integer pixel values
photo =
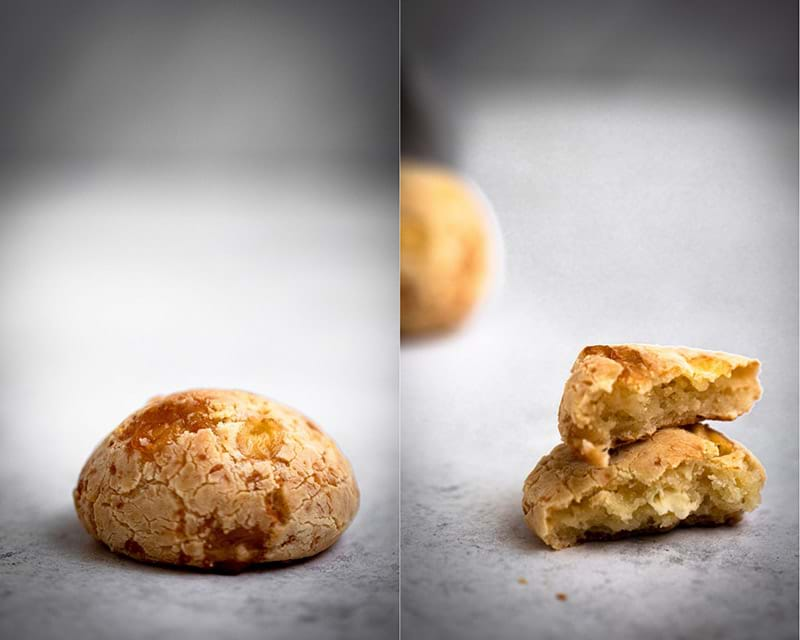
(445, 248)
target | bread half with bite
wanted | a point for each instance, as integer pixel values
(678, 476)
(623, 393)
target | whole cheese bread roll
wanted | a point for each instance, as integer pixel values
(444, 248)
(619, 394)
(679, 476)
(216, 479)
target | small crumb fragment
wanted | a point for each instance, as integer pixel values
(561, 596)
(522, 581)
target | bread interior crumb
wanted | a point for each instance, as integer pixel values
(691, 493)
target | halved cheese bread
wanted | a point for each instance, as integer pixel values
(678, 476)
(619, 394)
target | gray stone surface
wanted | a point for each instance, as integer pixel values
(633, 215)
(117, 286)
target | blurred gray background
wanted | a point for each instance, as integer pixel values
(199, 81)
(195, 194)
(641, 159)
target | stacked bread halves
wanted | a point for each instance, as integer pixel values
(635, 457)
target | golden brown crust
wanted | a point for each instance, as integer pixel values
(443, 249)
(562, 482)
(642, 366)
(601, 371)
(216, 478)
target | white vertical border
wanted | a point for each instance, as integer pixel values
(397, 332)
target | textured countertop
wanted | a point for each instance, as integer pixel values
(118, 286)
(632, 215)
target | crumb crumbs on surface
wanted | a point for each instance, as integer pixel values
(561, 596)
(522, 580)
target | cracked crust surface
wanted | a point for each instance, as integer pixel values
(443, 249)
(216, 478)
(618, 394)
(678, 476)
